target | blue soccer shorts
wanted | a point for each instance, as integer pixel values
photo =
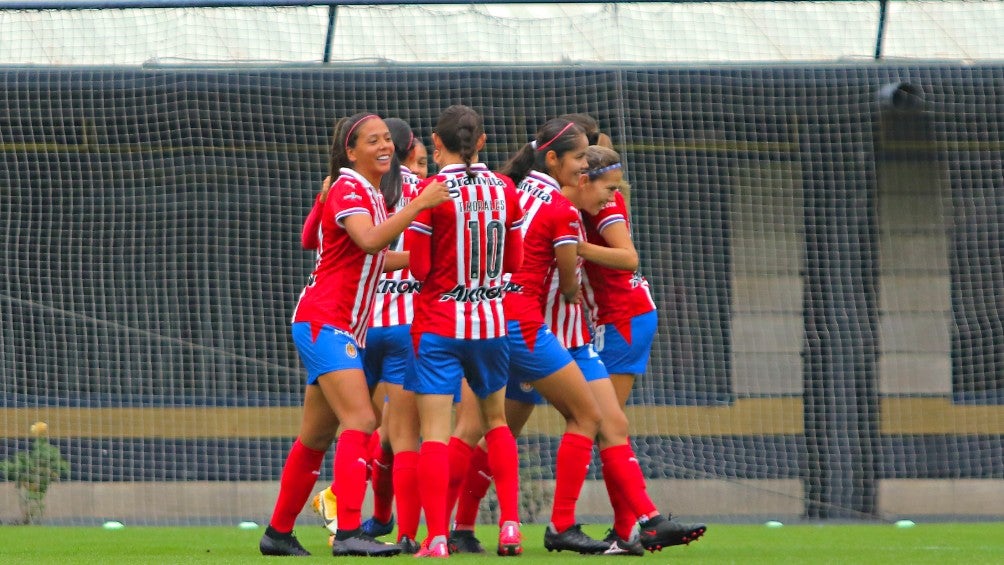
(442, 362)
(546, 357)
(388, 354)
(332, 350)
(627, 355)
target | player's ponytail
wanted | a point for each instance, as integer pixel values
(558, 135)
(520, 163)
(460, 127)
(337, 157)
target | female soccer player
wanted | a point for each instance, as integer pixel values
(387, 359)
(623, 344)
(461, 250)
(622, 309)
(548, 280)
(329, 330)
(563, 313)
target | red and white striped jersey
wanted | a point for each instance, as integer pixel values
(533, 294)
(340, 291)
(613, 295)
(394, 304)
(462, 295)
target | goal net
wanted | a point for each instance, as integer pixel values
(821, 230)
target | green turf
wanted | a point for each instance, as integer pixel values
(975, 543)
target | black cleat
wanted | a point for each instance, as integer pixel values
(408, 545)
(573, 539)
(464, 541)
(355, 542)
(274, 543)
(663, 531)
(611, 536)
(621, 546)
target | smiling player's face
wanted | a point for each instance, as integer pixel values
(599, 191)
(371, 156)
(567, 168)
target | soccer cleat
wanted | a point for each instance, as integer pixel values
(664, 531)
(375, 528)
(621, 546)
(510, 540)
(325, 505)
(464, 541)
(355, 542)
(408, 545)
(573, 539)
(612, 534)
(274, 543)
(435, 548)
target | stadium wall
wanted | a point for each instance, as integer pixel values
(824, 254)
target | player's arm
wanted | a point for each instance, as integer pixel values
(312, 225)
(309, 238)
(395, 261)
(418, 244)
(512, 257)
(621, 253)
(372, 238)
(567, 259)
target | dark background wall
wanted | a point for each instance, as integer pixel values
(149, 224)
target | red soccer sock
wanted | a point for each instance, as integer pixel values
(503, 458)
(621, 465)
(409, 507)
(350, 473)
(298, 477)
(460, 458)
(476, 483)
(624, 518)
(575, 452)
(434, 476)
(382, 478)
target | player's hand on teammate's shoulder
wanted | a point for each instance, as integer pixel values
(434, 194)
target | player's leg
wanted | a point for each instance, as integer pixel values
(612, 441)
(388, 368)
(436, 376)
(623, 385)
(470, 476)
(568, 392)
(487, 369)
(467, 431)
(553, 374)
(402, 428)
(623, 476)
(299, 474)
(320, 352)
(324, 503)
(348, 394)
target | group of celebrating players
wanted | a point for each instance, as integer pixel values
(476, 292)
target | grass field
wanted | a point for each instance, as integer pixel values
(975, 543)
